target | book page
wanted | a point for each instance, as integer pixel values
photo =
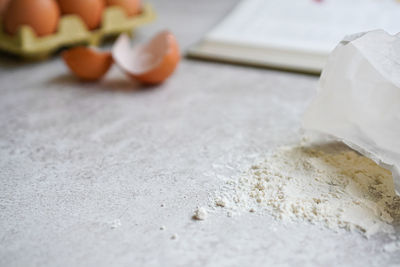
(304, 25)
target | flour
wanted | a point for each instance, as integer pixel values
(115, 223)
(200, 214)
(174, 236)
(334, 187)
(392, 247)
(221, 202)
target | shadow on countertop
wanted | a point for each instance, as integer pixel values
(107, 84)
(8, 61)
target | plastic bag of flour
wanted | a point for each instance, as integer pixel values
(358, 99)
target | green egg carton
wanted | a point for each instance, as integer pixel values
(72, 31)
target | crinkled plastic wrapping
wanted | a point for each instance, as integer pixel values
(358, 98)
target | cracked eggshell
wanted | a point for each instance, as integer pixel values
(151, 63)
(87, 63)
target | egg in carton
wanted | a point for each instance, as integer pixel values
(71, 31)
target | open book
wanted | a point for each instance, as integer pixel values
(296, 35)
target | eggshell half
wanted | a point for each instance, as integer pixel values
(151, 63)
(87, 63)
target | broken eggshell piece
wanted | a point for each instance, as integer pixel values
(87, 63)
(150, 63)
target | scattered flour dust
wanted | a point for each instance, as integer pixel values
(200, 214)
(115, 223)
(329, 185)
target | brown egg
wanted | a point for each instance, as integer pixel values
(87, 63)
(151, 63)
(91, 11)
(131, 7)
(41, 15)
(3, 6)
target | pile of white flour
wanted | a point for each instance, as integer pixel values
(335, 187)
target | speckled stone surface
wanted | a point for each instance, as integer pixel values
(90, 172)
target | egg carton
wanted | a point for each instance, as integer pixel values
(72, 31)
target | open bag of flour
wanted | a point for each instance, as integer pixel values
(358, 98)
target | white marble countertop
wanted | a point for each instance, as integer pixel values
(90, 172)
